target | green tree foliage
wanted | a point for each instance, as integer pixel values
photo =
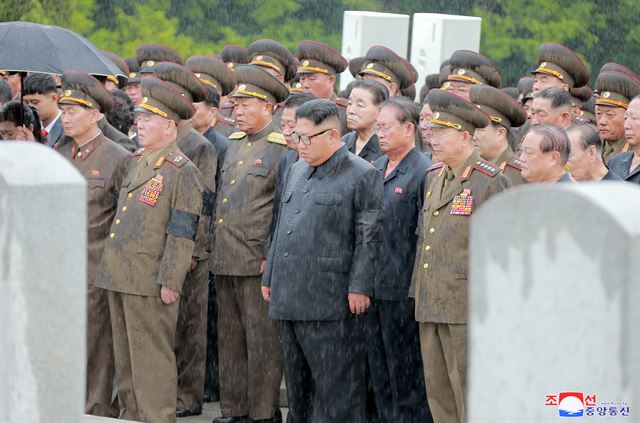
(512, 30)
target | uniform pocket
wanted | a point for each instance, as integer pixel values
(96, 182)
(328, 199)
(258, 171)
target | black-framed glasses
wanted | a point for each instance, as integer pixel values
(306, 139)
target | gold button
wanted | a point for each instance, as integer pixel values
(248, 144)
(129, 195)
(224, 200)
(426, 265)
(435, 213)
(117, 221)
(124, 208)
(241, 162)
(428, 193)
(432, 230)
(79, 154)
(233, 181)
(112, 235)
(220, 221)
(427, 248)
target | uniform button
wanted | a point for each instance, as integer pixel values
(248, 144)
(241, 162)
(224, 200)
(285, 254)
(289, 232)
(305, 190)
(220, 221)
(426, 265)
(112, 235)
(435, 213)
(129, 195)
(427, 248)
(297, 211)
(79, 154)
(233, 181)
(117, 221)
(432, 230)
(428, 193)
(124, 208)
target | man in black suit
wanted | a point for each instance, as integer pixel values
(318, 282)
(40, 91)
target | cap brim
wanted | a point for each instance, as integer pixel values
(141, 110)
(437, 125)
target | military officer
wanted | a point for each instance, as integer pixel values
(585, 161)
(191, 331)
(616, 88)
(493, 140)
(545, 152)
(383, 65)
(458, 185)
(232, 55)
(276, 59)
(627, 164)
(469, 68)
(431, 81)
(525, 93)
(102, 162)
(148, 254)
(132, 86)
(148, 55)
(559, 67)
(318, 69)
(580, 95)
(250, 356)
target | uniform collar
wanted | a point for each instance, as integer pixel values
(152, 158)
(473, 158)
(184, 129)
(85, 150)
(505, 156)
(326, 167)
(403, 166)
(261, 133)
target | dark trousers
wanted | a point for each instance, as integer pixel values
(324, 364)
(191, 338)
(211, 387)
(394, 363)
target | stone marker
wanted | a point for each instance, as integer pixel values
(554, 321)
(42, 281)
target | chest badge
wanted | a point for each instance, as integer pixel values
(462, 204)
(257, 162)
(152, 191)
(398, 190)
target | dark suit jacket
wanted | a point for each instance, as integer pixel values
(620, 164)
(57, 132)
(220, 143)
(370, 152)
(327, 239)
(403, 198)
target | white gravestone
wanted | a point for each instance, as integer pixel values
(554, 319)
(43, 289)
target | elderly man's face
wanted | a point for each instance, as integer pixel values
(537, 164)
(542, 81)
(447, 145)
(542, 112)
(580, 160)
(318, 84)
(610, 122)
(632, 124)
(288, 125)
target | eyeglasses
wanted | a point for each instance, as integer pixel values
(306, 139)
(384, 130)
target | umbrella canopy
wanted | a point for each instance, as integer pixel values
(30, 47)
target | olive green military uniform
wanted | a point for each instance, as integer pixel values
(249, 350)
(315, 57)
(506, 112)
(439, 280)
(191, 330)
(383, 63)
(562, 63)
(149, 55)
(150, 246)
(102, 162)
(473, 68)
(617, 85)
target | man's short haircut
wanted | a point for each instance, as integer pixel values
(380, 92)
(587, 135)
(296, 100)
(558, 97)
(5, 92)
(407, 111)
(554, 138)
(39, 83)
(213, 97)
(319, 111)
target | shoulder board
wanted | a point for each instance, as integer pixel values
(435, 166)
(237, 135)
(138, 152)
(227, 121)
(486, 167)
(276, 138)
(177, 159)
(341, 102)
(514, 163)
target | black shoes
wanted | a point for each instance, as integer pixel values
(183, 412)
(277, 418)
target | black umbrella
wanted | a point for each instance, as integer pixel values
(30, 47)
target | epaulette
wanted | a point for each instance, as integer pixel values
(237, 135)
(482, 166)
(138, 152)
(435, 166)
(276, 138)
(514, 163)
(178, 159)
(341, 102)
(227, 121)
